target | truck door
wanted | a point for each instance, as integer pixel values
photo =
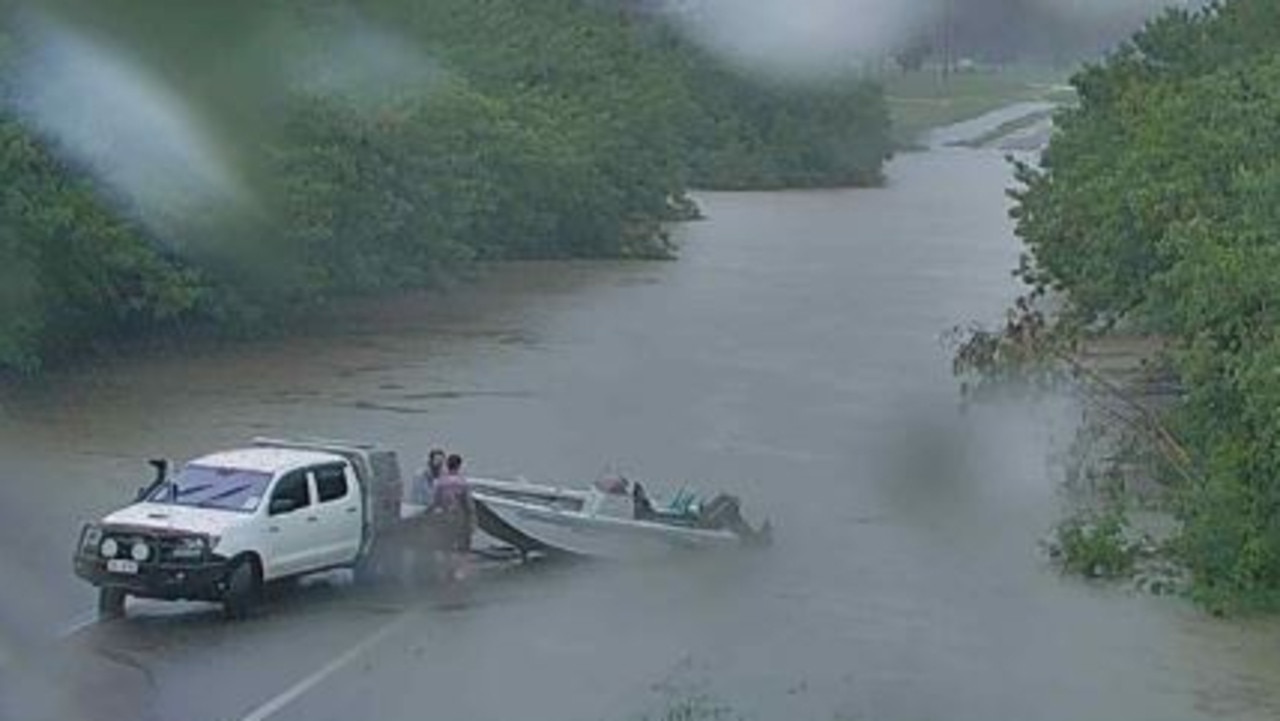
(291, 526)
(338, 511)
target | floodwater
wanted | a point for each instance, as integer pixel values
(794, 356)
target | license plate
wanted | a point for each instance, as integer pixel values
(121, 565)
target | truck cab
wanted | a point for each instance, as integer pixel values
(226, 523)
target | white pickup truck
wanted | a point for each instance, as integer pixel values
(226, 523)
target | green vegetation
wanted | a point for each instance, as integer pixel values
(765, 135)
(924, 99)
(1096, 546)
(70, 266)
(1157, 209)
(562, 128)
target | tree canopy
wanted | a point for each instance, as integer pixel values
(1157, 205)
(381, 143)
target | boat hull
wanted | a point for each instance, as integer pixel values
(537, 526)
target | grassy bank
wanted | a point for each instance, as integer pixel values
(923, 100)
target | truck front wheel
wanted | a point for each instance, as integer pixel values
(244, 589)
(111, 602)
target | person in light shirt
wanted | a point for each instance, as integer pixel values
(453, 509)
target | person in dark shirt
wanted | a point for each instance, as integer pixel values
(421, 488)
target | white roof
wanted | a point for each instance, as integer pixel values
(267, 460)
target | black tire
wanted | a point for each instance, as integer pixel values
(111, 602)
(244, 590)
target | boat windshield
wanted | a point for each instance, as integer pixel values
(228, 489)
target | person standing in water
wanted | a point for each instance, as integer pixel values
(420, 491)
(454, 510)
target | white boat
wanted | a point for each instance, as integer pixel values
(598, 522)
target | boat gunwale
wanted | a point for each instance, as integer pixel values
(633, 525)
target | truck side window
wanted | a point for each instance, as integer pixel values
(331, 483)
(292, 487)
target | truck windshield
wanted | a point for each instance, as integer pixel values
(230, 489)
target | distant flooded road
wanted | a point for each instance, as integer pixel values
(793, 355)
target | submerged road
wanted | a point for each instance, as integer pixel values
(794, 355)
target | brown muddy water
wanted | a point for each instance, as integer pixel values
(793, 355)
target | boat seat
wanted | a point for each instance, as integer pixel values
(644, 510)
(683, 502)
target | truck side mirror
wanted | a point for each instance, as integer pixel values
(143, 492)
(280, 506)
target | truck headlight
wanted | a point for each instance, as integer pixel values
(140, 552)
(109, 548)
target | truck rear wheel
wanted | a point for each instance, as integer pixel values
(111, 602)
(244, 590)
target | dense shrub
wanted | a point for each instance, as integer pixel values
(562, 128)
(1157, 205)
